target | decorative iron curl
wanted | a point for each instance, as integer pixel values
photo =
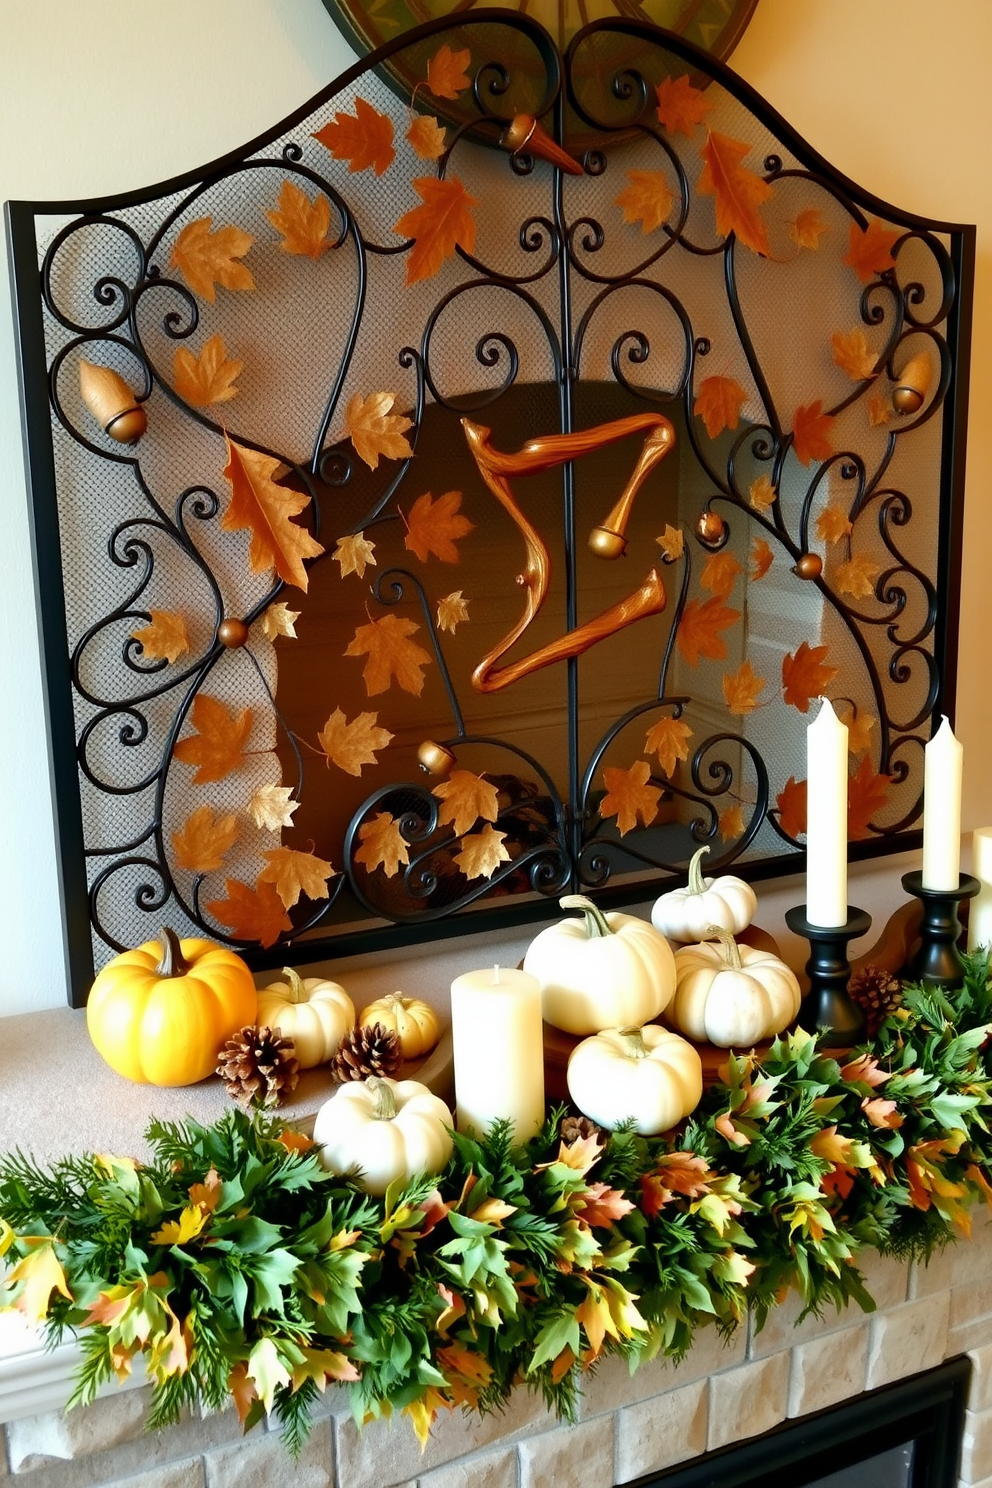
(488, 347)
(147, 897)
(109, 290)
(132, 733)
(115, 454)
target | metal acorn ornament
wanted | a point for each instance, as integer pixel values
(910, 391)
(112, 403)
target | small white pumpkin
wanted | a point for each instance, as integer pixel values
(602, 971)
(646, 1073)
(730, 995)
(686, 914)
(415, 1023)
(389, 1129)
(314, 1013)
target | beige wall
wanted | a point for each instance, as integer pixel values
(108, 95)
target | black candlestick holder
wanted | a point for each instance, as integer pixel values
(828, 1008)
(938, 961)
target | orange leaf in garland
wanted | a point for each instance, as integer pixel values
(435, 526)
(720, 574)
(390, 653)
(668, 739)
(681, 106)
(811, 433)
(672, 543)
(364, 138)
(628, 796)
(302, 223)
(446, 75)
(719, 401)
(382, 842)
(280, 620)
(879, 410)
(217, 747)
(443, 223)
(164, 638)
(481, 853)
(452, 611)
(374, 431)
(465, 798)
(761, 559)
(857, 576)
(208, 378)
(294, 873)
(870, 250)
(647, 200)
(867, 794)
(730, 823)
(833, 524)
(762, 494)
(272, 807)
(266, 510)
(791, 803)
(859, 725)
(352, 745)
(205, 840)
(738, 193)
(808, 228)
(251, 914)
(853, 355)
(354, 554)
(699, 629)
(741, 689)
(206, 258)
(427, 137)
(805, 675)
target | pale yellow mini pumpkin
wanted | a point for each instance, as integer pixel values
(315, 1013)
(387, 1128)
(415, 1023)
(646, 1073)
(730, 995)
(685, 915)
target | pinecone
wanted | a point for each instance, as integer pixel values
(258, 1066)
(877, 993)
(578, 1128)
(374, 1050)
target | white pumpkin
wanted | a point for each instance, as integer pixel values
(603, 971)
(314, 1013)
(686, 914)
(389, 1129)
(730, 995)
(646, 1073)
(415, 1023)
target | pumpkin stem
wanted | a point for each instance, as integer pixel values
(597, 924)
(697, 883)
(297, 991)
(173, 963)
(385, 1098)
(730, 947)
(635, 1047)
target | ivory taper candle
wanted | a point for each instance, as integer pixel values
(980, 917)
(826, 819)
(498, 1045)
(942, 761)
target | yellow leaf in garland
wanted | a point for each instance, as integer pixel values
(354, 554)
(164, 638)
(870, 250)
(267, 1371)
(681, 106)
(791, 803)
(427, 137)
(435, 526)
(593, 1313)
(857, 576)
(321, 1365)
(672, 543)
(423, 1413)
(761, 559)
(481, 853)
(205, 840)
(741, 689)
(853, 355)
(446, 75)
(167, 1355)
(762, 494)
(217, 746)
(294, 873)
(364, 138)
(669, 740)
(208, 378)
(443, 223)
(280, 620)
(208, 1193)
(738, 193)
(879, 410)
(719, 401)
(859, 725)
(811, 433)
(465, 798)
(648, 199)
(806, 675)
(730, 824)
(699, 629)
(302, 223)
(832, 525)
(251, 914)
(206, 258)
(271, 807)
(390, 653)
(808, 228)
(266, 511)
(352, 745)
(382, 842)
(629, 796)
(186, 1227)
(374, 431)
(42, 1275)
(451, 611)
(720, 574)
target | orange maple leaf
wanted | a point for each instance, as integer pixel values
(266, 509)
(390, 654)
(352, 745)
(810, 432)
(761, 493)
(164, 637)
(465, 798)
(672, 543)
(251, 914)
(857, 576)
(482, 852)
(205, 840)
(302, 223)
(451, 611)
(446, 75)
(805, 675)
(628, 796)
(374, 431)
(867, 793)
(681, 106)
(217, 746)
(730, 823)
(427, 137)
(720, 573)
(280, 620)
(272, 807)
(364, 138)
(382, 842)
(719, 401)
(853, 355)
(205, 258)
(354, 554)
(808, 228)
(699, 629)
(208, 378)
(859, 725)
(647, 200)
(791, 803)
(668, 739)
(443, 223)
(833, 524)
(294, 873)
(434, 526)
(738, 193)
(742, 688)
(761, 558)
(870, 250)
(879, 410)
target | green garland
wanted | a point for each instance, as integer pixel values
(239, 1269)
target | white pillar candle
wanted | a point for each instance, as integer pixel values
(980, 915)
(826, 819)
(942, 760)
(497, 1036)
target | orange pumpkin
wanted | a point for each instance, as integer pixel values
(159, 1014)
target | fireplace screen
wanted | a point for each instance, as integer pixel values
(457, 498)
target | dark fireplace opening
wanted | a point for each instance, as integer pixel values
(906, 1435)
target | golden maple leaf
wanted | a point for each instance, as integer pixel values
(482, 852)
(435, 526)
(832, 524)
(205, 258)
(857, 576)
(680, 105)
(859, 725)
(761, 558)
(672, 543)
(741, 689)
(271, 807)
(629, 796)
(730, 823)
(720, 573)
(719, 401)
(791, 803)
(808, 228)
(761, 493)
(390, 653)
(208, 378)
(648, 199)
(352, 745)
(427, 137)
(294, 873)
(699, 629)
(364, 138)
(205, 840)
(737, 192)
(280, 620)
(382, 842)
(303, 224)
(354, 553)
(217, 746)
(853, 355)
(870, 250)
(446, 75)
(251, 914)
(441, 224)
(451, 611)
(811, 432)
(266, 510)
(164, 637)
(879, 410)
(867, 793)
(374, 431)
(42, 1274)
(465, 799)
(806, 675)
(668, 739)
